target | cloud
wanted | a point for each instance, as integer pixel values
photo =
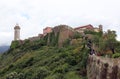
(34, 15)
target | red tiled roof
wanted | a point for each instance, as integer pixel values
(86, 26)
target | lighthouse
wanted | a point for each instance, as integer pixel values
(16, 32)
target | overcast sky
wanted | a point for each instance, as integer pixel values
(34, 15)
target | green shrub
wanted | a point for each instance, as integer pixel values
(66, 42)
(56, 76)
(72, 75)
(71, 60)
(15, 75)
(116, 55)
(14, 44)
(77, 35)
(61, 69)
(26, 63)
(41, 73)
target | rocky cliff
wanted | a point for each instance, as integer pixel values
(103, 68)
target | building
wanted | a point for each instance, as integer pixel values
(81, 29)
(68, 31)
(16, 32)
(47, 30)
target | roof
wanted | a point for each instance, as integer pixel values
(17, 26)
(86, 26)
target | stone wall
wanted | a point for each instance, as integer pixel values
(65, 32)
(103, 68)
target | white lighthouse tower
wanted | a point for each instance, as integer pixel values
(16, 32)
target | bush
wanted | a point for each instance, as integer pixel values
(72, 75)
(14, 44)
(116, 55)
(25, 63)
(77, 35)
(71, 60)
(56, 76)
(66, 42)
(41, 73)
(15, 75)
(61, 69)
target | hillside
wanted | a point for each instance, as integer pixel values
(43, 59)
(45, 62)
(61, 54)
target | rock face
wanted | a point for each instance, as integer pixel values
(103, 68)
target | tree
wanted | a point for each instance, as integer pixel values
(111, 41)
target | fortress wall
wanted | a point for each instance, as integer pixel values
(103, 68)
